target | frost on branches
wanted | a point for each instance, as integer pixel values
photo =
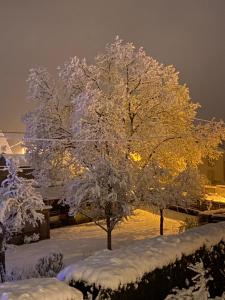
(124, 105)
(45, 126)
(20, 203)
(103, 194)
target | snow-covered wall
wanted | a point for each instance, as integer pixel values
(113, 269)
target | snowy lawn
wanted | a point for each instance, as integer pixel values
(80, 241)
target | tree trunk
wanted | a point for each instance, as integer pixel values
(108, 213)
(2, 253)
(2, 267)
(109, 234)
(161, 221)
(109, 240)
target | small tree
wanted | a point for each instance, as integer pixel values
(20, 203)
(161, 188)
(102, 194)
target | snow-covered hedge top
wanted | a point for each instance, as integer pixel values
(110, 269)
(36, 289)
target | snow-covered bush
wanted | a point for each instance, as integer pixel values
(31, 238)
(47, 266)
(151, 269)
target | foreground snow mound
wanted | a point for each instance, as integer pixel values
(113, 269)
(38, 289)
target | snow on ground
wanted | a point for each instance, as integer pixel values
(111, 269)
(38, 289)
(80, 241)
(215, 197)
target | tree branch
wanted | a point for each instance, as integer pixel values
(157, 146)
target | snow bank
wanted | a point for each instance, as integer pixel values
(38, 289)
(111, 269)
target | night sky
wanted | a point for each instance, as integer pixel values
(190, 34)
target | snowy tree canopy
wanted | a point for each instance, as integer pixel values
(99, 186)
(124, 106)
(103, 194)
(20, 203)
(158, 186)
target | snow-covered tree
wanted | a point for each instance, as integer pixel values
(49, 143)
(103, 194)
(126, 108)
(159, 188)
(20, 203)
(124, 104)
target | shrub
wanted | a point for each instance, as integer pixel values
(47, 266)
(50, 266)
(31, 238)
(188, 224)
(161, 282)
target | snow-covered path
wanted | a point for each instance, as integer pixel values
(80, 241)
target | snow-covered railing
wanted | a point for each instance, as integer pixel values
(116, 269)
(36, 289)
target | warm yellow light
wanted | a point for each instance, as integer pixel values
(23, 150)
(135, 156)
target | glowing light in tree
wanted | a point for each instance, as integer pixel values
(135, 156)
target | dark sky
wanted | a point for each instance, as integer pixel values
(189, 34)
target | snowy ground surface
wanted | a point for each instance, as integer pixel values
(215, 197)
(80, 241)
(38, 289)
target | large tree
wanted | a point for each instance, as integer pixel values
(126, 108)
(126, 103)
